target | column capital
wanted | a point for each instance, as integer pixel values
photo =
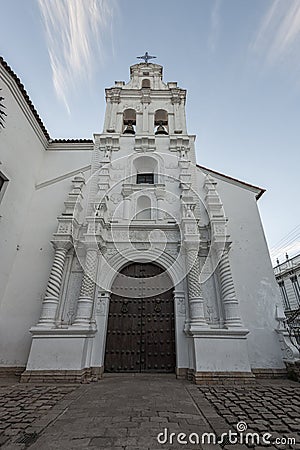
(62, 244)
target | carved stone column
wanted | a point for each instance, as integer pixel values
(126, 192)
(160, 197)
(230, 302)
(145, 100)
(51, 299)
(196, 302)
(114, 96)
(86, 297)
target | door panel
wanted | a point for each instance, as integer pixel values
(141, 334)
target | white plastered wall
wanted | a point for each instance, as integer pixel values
(28, 211)
(252, 272)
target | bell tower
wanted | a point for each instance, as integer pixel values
(155, 107)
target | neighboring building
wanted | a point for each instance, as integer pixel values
(139, 225)
(288, 278)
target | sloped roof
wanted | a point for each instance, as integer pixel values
(32, 107)
(260, 191)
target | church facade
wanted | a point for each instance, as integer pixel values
(122, 254)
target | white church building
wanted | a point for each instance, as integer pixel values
(122, 254)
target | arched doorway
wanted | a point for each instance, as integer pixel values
(141, 326)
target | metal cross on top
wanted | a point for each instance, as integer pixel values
(146, 57)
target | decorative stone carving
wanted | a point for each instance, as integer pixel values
(101, 305)
(52, 296)
(116, 198)
(113, 95)
(72, 293)
(64, 228)
(171, 198)
(85, 301)
(132, 105)
(230, 302)
(196, 303)
(290, 352)
(144, 144)
(181, 309)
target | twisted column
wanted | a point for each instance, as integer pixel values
(51, 299)
(86, 297)
(230, 302)
(196, 303)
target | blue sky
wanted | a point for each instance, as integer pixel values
(238, 59)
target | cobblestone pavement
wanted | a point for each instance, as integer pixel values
(21, 405)
(128, 412)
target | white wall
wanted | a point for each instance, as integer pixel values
(28, 219)
(253, 276)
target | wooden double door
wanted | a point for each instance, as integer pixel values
(141, 329)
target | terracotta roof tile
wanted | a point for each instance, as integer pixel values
(88, 141)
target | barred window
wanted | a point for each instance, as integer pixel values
(147, 178)
(296, 287)
(284, 295)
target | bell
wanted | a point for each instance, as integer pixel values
(129, 129)
(161, 129)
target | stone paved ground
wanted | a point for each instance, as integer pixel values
(21, 405)
(128, 412)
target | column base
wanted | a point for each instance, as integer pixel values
(208, 378)
(270, 373)
(86, 375)
(60, 350)
(220, 354)
(11, 371)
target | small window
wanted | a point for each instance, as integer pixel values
(296, 288)
(147, 178)
(284, 295)
(146, 83)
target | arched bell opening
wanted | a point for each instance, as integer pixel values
(161, 122)
(129, 121)
(141, 324)
(146, 83)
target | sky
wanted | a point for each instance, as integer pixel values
(238, 59)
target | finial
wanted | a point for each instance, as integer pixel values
(146, 57)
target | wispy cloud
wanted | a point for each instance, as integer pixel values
(76, 33)
(278, 37)
(214, 25)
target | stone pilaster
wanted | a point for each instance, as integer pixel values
(86, 297)
(229, 299)
(51, 299)
(196, 302)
